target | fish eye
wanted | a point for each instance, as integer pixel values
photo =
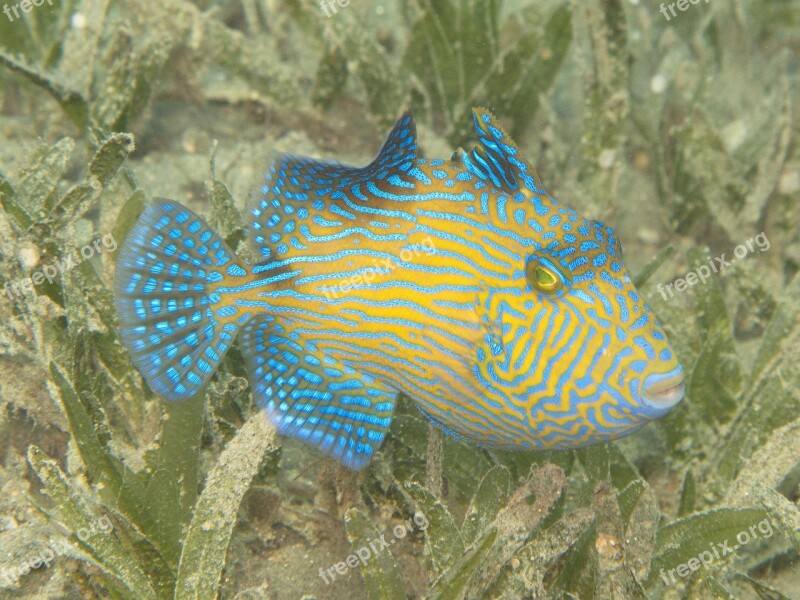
(544, 276)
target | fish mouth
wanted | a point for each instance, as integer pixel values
(662, 391)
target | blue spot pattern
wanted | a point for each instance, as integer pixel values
(313, 397)
(166, 307)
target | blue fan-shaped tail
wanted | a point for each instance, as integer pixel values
(175, 325)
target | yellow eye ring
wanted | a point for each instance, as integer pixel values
(543, 277)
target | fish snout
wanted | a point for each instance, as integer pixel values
(662, 391)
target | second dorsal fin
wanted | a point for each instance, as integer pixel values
(497, 157)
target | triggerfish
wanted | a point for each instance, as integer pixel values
(509, 320)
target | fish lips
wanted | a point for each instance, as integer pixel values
(662, 391)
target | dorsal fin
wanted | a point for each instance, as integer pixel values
(496, 157)
(294, 182)
(399, 151)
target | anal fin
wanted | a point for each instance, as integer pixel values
(314, 398)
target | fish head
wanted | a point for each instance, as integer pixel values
(568, 340)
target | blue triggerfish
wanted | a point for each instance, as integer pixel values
(509, 319)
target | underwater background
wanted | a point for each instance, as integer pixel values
(676, 123)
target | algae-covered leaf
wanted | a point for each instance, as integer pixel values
(613, 560)
(113, 151)
(718, 591)
(764, 591)
(206, 543)
(711, 311)
(716, 374)
(106, 345)
(600, 28)
(379, 570)
(8, 200)
(72, 205)
(596, 463)
(253, 58)
(782, 512)
(630, 497)
(458, 54)
(15, 39)
(769, 397)
(128, 215)
(530, 504)
(640, 516)
(408, 441)
(449, 66)
(688, 495)
(120, 487)
(541, 558)
(72, 102)
(132, 73)
(463, 466)
(172, 489)
(453, 584)
(82, 45)
(36, 190)
(781, 330)
(442, 536)
(769, 465)
(224, 212)
(701, 533)
(225, 217)
(621, 470)
(764, 411)
(521, 519)
(492, 494)
(705, 175)
(772, 154)
(102, 467)
(578, 573)
(707, 382)
(78, 513)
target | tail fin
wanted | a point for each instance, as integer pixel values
(175, 326)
